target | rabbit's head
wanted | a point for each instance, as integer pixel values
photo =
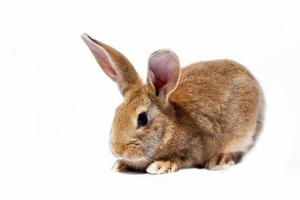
(145, 120)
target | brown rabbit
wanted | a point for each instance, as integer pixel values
(207, 114)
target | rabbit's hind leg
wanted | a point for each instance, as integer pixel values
(224, 160)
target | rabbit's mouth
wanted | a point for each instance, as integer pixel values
(132, 158)
(130, 152)
(135, 162)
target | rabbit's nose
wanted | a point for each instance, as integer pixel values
(116, 149)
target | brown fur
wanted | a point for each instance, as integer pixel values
(208, 117)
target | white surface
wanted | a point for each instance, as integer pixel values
(56, 105)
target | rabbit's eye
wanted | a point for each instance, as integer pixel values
(142, 119)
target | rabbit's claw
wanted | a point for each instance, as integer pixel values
(160, 167)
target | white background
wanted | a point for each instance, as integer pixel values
(56, 105)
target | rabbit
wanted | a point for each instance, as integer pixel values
(205, 115)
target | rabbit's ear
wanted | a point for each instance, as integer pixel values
(114, 64)
(163, 72)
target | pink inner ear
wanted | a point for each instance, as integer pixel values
(157, 82)
(161, 67)
(101, 56)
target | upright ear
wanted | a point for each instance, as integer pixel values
(114, 64)
(163, 72)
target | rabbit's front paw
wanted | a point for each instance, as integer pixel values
(120, 166)
(160, 167)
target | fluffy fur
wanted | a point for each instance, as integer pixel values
(207, 114)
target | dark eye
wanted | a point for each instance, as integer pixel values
(142, 119)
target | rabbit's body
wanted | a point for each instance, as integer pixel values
(207, 114)
(213, 102)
